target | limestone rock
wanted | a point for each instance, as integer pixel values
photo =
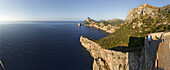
(99, 24)
(145, 10)
(105, 59)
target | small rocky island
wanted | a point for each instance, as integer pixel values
(79, 24)
(126, 48)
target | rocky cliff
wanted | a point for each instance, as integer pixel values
(116, 60)
(140, 20)
(105, 59)
(145, 10)
(145, 16)
(103, 25)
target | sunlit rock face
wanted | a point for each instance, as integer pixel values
(105, 59)
(140, 17)
(146, 10)
(99, 24)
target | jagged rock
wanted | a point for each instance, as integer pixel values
(89, 20)
(140, 24)
(145, 10)
(113, 60)
(105, 59)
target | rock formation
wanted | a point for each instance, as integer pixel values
(79, 24)
(99, 24)
(115, 60)
(139, 20)
(146, 15)
(105, 59)
(145, 10)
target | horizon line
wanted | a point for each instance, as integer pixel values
(39, 20)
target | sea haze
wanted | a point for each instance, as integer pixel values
(45, 45)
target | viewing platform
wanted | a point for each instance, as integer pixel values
(157, 54)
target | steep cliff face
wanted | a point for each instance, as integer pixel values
(103, 25)
(140, 20)
(138, 23)
(115, 60)
(149, 18)
(105, 59)
(146, 10)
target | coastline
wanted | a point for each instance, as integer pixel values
(112, 29)
(134, 25)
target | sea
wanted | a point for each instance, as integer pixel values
(45, 45)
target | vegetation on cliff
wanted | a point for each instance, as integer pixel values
(112, 22)
(140, 20)
(121, 37)
(104, 22)
(107, 25)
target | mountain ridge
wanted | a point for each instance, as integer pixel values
(146, 19)
(107, 25)
(129, 39)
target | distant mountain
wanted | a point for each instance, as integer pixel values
(146, 11)
(107, 25)
(139, 21)
(149, 18)
(127, 37)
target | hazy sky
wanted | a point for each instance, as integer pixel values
(69, 10)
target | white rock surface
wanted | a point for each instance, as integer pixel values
(105, 59)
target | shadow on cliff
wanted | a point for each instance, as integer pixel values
(137, 52)
(135, 44)
(134, 50)
(88, 58)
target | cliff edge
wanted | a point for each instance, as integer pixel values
(105, 59)
(140, 20)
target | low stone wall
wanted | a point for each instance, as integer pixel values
(152, 49)
(158, 35)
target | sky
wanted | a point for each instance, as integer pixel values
(69, 10)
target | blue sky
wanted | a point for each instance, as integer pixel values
(69, 10)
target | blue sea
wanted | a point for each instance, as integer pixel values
(45, 45)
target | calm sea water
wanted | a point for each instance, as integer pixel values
(45, 45)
